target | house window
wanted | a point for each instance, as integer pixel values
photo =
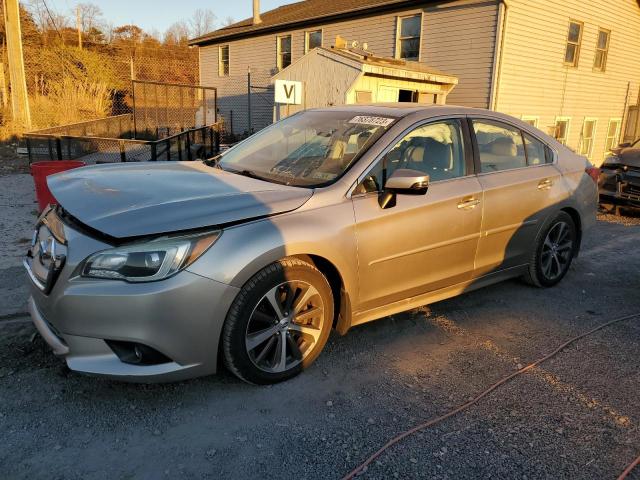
(223, 60)
(631, 125)
(284, 52)
(408, 37)
(613, 132)
(561, 130)
(588, 132)
(574, 39)
(313, 40)
(531, 120)
(602, 50)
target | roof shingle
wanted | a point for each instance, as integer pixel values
(299, 12)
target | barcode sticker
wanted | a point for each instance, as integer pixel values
(377, 121)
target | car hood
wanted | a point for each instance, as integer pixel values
(129, 200)
(630, 156)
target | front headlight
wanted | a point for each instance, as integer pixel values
(150, 261)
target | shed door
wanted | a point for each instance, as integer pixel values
(388, 94)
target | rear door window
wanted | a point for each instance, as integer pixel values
(500, 146)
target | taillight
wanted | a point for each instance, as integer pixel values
(594, 173)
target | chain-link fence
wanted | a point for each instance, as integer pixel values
(168, 122)
(163, 109)
(67, 84)
(245, 104)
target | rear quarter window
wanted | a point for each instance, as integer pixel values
(537, 152)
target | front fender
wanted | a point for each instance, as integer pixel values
(243, 250)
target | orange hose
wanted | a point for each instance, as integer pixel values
(628, 470)
(499, 383)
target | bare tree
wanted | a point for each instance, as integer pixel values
(202, 22)
(228, 21)
(90, 17)
(177, 34)
(46, 18)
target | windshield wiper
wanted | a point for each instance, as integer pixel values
(213, 161)
(249, 173)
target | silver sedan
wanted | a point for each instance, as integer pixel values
(325, 220)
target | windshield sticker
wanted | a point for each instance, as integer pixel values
(323, 176)
(377, 121)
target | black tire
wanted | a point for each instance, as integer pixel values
(287, 282)
(550, 260)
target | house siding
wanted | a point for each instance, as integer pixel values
(534, 81)
(457, 38)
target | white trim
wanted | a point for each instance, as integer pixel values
(528, 118)
(399, 18)
(306, 38)
(593, 136)
(278, 51)
(567, 131)
(616, 137)
(578, 44)
(605, 50)
(220, 69)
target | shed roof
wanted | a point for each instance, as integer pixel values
(367, 62)
(302, 13)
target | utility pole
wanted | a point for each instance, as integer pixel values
(79, 26)
(3, 80)
(18, 81)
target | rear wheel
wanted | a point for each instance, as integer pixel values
(279, 322)
(554, 251)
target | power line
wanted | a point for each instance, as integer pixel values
(46, 7)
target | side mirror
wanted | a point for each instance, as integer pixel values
(624, 145)
(403, 181)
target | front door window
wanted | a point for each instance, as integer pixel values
(435, 149)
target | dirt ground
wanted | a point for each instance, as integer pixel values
(576, 416)
(10, 162)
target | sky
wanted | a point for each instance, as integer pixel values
(159, 14)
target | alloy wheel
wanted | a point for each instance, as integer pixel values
(285, 326)
(557, 251)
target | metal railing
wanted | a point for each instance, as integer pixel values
(169, 122)
(191, 144)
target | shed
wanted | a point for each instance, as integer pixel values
(339, 76)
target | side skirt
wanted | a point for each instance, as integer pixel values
(359, 318)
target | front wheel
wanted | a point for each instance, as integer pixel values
(554, 250)
(278, 323)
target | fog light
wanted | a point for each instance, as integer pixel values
(137, 353)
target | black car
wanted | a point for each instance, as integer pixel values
(619, 181)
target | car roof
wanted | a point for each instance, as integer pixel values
(403, 109)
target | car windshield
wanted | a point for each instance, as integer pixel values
(309, 149)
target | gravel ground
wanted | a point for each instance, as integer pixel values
(576, 416)
(18, 213)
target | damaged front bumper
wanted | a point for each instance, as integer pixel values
(99, 325)
(619, 188)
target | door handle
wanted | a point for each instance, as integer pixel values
(545, 184)
(468, 203)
